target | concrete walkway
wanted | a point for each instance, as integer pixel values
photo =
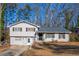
(14, 51)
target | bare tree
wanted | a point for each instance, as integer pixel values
(47, 16)
(2, 9)
(24, 13)
(37, 15)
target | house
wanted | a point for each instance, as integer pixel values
(25, 33)
(22, 33)
(53, 34)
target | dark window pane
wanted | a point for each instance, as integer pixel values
(28, 40)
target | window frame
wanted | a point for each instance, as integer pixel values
(17, 29)
(48, 36)
(30, 29)
(61, 36)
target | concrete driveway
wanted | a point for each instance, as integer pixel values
(14, 51)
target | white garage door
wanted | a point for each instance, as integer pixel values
(21, 41)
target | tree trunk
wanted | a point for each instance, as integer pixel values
(0, 22)
(2, 6)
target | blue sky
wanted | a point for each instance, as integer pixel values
(42, 10)
(41, 6)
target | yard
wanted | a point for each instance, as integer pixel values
(54, 49)
(50, 49)
(2, 48)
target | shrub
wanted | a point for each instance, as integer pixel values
(74, 37)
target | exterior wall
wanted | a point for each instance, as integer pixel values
(24, 33)
(64, 40)
(56, 38)
(47, 39)
(67, 37)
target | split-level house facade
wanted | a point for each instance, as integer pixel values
(25, 33)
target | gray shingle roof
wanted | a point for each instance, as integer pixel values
(52, 30)
(23, 21)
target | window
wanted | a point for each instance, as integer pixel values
(53, 35)
(61, 36)
(17, 29)
(28, 40)
(50, 35)
(30, 29)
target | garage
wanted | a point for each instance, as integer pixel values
(21, 41)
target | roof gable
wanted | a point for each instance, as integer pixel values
(23, 21)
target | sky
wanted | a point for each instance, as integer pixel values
(42, 11)
(41, 5)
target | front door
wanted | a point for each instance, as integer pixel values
(28, 41)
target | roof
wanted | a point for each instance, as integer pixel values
(52, 30)
(23, 21)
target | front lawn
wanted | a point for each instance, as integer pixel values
(54, 49)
